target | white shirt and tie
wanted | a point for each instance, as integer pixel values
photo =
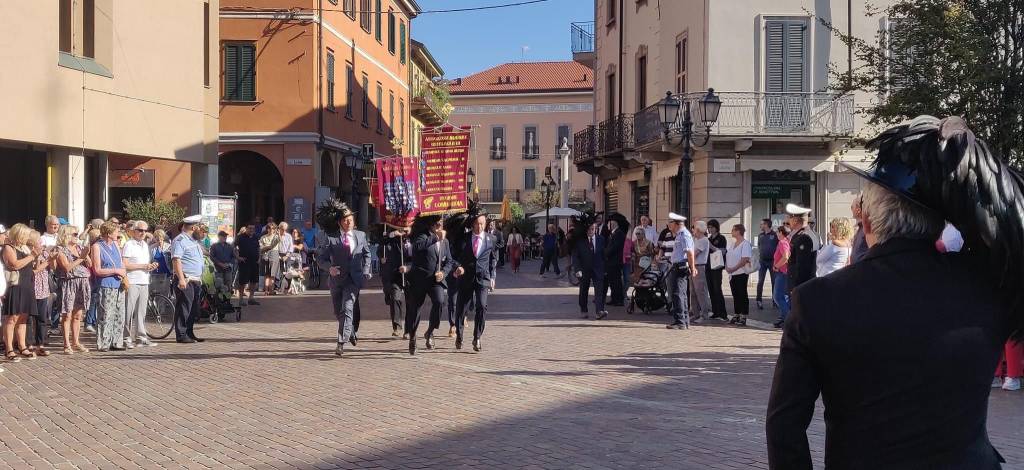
(478, 244)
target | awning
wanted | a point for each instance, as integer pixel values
(771, 164)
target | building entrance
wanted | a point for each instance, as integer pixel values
(772, 190)
(23, 177)
(258, 183)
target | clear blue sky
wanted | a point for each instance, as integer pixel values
(468, 42)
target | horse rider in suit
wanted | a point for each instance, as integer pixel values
(431, 263)
(901, 345)
(477, 262)
(395, 254)
(588, 261)
(345, 255)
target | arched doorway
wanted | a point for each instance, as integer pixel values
(258, 183)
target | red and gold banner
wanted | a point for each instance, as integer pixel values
(395, 190)
(444, 161)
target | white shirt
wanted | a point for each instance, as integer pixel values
(286, 244)
(702, 246)
(651, 233)
(736, 252)
(832, 258)
(48, 240)
(951, 239)
(136, 252)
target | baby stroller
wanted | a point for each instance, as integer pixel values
(215, 304)
(649, 289)
(294, 273)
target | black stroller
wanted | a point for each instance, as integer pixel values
(649, 289)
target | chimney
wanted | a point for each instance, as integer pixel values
(458, 81)
(508, 79)
(517, 78)
(500, 80)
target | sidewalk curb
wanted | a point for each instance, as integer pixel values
(762, 325)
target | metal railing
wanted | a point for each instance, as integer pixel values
(531, 152)
(498, 152)
(578, 195)
(582, 36)
(647, 126)
(498, 195)
(584, 145)
(615, 134)
(755, 113)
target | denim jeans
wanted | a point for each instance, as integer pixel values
(779, 294)
(90, 315)
(627, 270)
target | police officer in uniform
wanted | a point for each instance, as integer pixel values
(345, 255)
(803, 248)
(431, 263)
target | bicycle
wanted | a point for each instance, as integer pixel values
(159, 315)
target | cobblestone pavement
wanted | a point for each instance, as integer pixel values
(549, 391)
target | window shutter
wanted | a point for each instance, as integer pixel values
(774, 57)
(231, 75)
(401, 38)
(247, 60)
(795, 56)
(330, 81)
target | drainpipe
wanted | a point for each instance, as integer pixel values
(849, 44)
(622, 52)
(320, 74)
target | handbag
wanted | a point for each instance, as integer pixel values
(12, 275)
(754, 265)
(716, 260)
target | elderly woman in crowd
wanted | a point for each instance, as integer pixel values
(20, 262)
(835, 254)
(41, 288)
(701, 306)
(73, 268)
(643, 247)
(109, 270)
(270, 258)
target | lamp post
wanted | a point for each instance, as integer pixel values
(564, 152)
(470, 180)
(549, 186)
(708, 107)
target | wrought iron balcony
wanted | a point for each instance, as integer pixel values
(781, 114)
(498, 152)
(425, 103)
(585, 145)
(615, 135)
(498, 195)
(531, 152)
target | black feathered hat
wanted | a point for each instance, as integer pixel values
(423, 223)
(330, 213)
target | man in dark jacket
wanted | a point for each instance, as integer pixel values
(431, 263)
(588, 263)
(613, 262)
(395, 254)
(767, 241)
(903, 371)
(477, 262)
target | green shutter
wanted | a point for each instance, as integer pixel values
(401, 38)
(330, 81)
(230, 72)
(247, 72)
(377, 21)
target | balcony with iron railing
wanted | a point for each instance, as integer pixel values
(498, 195)
(531, 152)
(585, 145)
(582, 41)
(615, 135)
(757, 114)
(428, 102)
(498, 152)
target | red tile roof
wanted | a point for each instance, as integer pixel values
(526, 77)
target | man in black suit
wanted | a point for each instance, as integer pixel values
(431, 263)
(477, 262)
(395, 253)
(901, 345)
(589, 265)
(616, 240)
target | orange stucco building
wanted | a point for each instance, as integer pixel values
(305, 83)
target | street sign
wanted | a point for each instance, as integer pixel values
(367, 151)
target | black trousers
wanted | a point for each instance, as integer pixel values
(395, 298)
(418, 293)
(186, 309)
(740, 300)
(37, 323)
(501, 256)
(550, 259)
(715, 292)
(588, 277)
(470, 288)
(613, 279)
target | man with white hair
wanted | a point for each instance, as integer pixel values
(699, 278)
(901, 345)
(284, 248)
(139, 264)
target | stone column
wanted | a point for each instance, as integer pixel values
(67, 185)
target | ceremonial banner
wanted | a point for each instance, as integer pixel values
(395, 190)
(443, 164)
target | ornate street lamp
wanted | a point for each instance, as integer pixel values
(549, 186)
(470, 180)
(708, 107)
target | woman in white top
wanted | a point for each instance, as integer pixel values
(737, 264)
(835, 254)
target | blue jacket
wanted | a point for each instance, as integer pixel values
(589, 262)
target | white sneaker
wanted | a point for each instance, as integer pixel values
(997, 382)
(1011, 384)
(90, 328)
(144, 342)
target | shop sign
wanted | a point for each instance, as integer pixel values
(724, 165)
(300, 162)
(135, 178)
(768, 191)
(297, 211)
